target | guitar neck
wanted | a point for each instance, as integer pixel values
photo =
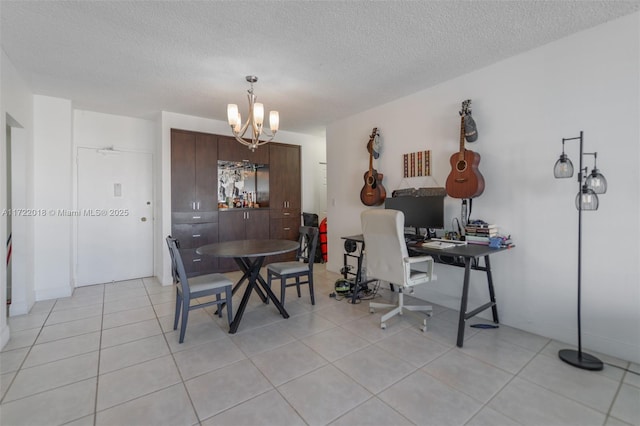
(372, 138)
(371, 162)
(461, 153)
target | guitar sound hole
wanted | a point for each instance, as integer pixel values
(371, 182)
(461, 166)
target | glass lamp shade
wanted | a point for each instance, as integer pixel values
(274, 121)
(597, 182)
(232, 114)
(258, 113)
(563, 167)
(586, 199)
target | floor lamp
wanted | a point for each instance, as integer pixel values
(589, 185)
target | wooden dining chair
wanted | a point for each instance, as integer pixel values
(196, 287)
(302, 267)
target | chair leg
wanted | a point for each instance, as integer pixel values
(185, 318)
(219, 308)
(283, 289)
(178, 306)
(229, 296)
(298, 285)
(399, 309)
(313, 299)
(269, 276)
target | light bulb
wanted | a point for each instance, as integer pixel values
(597, 182)
(232, 114)
(258, 113)
(586, 199)
(238, 124)
(274, 121)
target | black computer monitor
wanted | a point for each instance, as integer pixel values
(419, 212)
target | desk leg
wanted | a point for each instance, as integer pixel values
(463, 304)
(492, 293)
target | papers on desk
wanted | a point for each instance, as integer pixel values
(437, 244)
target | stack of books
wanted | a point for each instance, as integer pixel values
(480, 232)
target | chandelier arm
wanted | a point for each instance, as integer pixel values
(259, 142)
(244, 129)
(257, 130)
(242, 141)
(240, 133)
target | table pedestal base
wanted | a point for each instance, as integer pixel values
(251, 271)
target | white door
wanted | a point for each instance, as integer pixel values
(115, 216)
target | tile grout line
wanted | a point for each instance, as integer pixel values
(175, 362)
(513, 377)
(615, 396)
(138, 363)
(26, 356)
(95, 399)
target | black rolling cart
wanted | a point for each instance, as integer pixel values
(353, 258)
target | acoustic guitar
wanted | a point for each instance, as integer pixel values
(465, 180)
(373, 192)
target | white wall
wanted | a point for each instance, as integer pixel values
(312, 152)
(524, 106)
(16, 101)
(52, 159)
(22, 294)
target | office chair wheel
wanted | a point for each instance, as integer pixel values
(383, 326)
(371, 311)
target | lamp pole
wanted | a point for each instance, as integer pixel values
(578, 358)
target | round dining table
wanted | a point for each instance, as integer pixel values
(250, 256)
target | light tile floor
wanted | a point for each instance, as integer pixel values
(108, 356)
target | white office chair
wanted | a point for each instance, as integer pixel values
(387, 259)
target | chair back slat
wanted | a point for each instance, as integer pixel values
(174, 271)
(178, 271)
(308, 241)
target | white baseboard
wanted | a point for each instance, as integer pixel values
(20, 307)
(4, 336)
(53, 293)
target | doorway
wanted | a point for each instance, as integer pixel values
(9, 217)
(19, 292)
(114, 216)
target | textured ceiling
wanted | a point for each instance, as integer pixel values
(317, 60)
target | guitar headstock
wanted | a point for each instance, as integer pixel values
(374, 133)
(466, 108)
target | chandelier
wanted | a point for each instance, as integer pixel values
(255, 120)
